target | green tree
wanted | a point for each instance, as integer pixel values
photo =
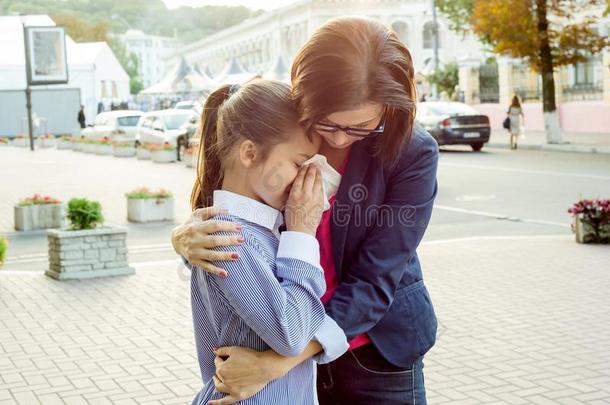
(546, 34)
(445, 78)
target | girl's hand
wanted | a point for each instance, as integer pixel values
(305, 203)
(243, 372)
(193, 241)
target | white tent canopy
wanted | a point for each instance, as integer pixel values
(234, 73)
(182, 79)
(278, 71)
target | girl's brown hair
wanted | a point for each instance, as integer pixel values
(261, 111)
(350, 61)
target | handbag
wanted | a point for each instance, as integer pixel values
(506, 123)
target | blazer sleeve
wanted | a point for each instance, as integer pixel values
(368, 286)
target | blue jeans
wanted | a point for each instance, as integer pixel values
(363, 377)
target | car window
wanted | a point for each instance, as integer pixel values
(130, 121)
(174, 121)
(147, 121)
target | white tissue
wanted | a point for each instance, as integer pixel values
(330, 177)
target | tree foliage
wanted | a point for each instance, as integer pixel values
(511, 27)
(446, 78)
(151, 16)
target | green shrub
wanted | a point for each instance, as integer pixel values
(3, 248)
(84, 214)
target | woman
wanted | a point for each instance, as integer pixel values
(515, 114)
(353, 85)
(271, 299)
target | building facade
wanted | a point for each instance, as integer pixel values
(150, 51)
(258, 42)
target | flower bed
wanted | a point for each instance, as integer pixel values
(123, 149)
(21, 141)
(46, 141)
(143, 151)
(3, 249)
(103, 147)
(87, 250)
(38, 212)
(165, 153)
(144, 205)
(4, 142)
(591, 221)
(65, 142)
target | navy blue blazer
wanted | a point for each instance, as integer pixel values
(378, 219)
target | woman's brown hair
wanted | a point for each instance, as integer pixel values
(261, 111)
(515, 102)
(350, 61)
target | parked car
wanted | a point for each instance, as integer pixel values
(119, 125)
(166, 126)
(189, 105)
(452, 123)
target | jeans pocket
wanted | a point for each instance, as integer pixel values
(368, 359)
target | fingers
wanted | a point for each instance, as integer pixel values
(224, 351)
(317, 185)
(298, 181)
(310, 177)
(204, 214)
(210, 268)
(220, 386)
(229, 399)
(212, 241)
(211, 226)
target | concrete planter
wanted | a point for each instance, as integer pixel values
(38, 216)
(142, 153)
(163, 156)
(123, 151)
(190, 160)
(100, 252)
(103, 149)
(4, 144)
(150, 209)
(46, 143)
(88, 147)
(65, 145)
(78, 146)
(21, 142)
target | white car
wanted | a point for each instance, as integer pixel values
(166, 126)
(119, 125)
(189, 105)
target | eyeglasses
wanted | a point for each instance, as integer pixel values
(355, 132)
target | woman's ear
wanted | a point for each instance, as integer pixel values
(248, 153)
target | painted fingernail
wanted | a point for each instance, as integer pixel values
(238, 227)
(241, 239)
(234, 256)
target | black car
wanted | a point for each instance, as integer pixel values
(452, 123)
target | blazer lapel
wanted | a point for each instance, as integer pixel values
(350, 189)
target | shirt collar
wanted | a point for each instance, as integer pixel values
(249, 209)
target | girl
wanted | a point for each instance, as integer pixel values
(353, 83)
(515, 113)
(252, 149)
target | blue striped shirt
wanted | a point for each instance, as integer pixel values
(270, 300)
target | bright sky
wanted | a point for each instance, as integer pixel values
(253, 4)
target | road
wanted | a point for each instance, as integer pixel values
(496, 192)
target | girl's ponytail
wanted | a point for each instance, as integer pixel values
(209, 165)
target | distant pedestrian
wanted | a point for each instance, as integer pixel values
(81, 117)
(516, 120)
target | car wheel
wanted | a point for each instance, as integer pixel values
(180, 148)
(477, 146)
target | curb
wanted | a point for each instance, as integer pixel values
(569, 148)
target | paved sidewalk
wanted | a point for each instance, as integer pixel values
(536, 140)
(523, 320)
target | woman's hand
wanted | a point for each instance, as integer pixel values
(305, 203)
(193, 241)
(243, 372)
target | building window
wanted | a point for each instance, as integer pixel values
(583, 72)
(429, 35)
(402, 31)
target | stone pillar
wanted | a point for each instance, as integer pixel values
(469, 81)
(505, 81)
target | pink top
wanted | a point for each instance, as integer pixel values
(326, 260)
